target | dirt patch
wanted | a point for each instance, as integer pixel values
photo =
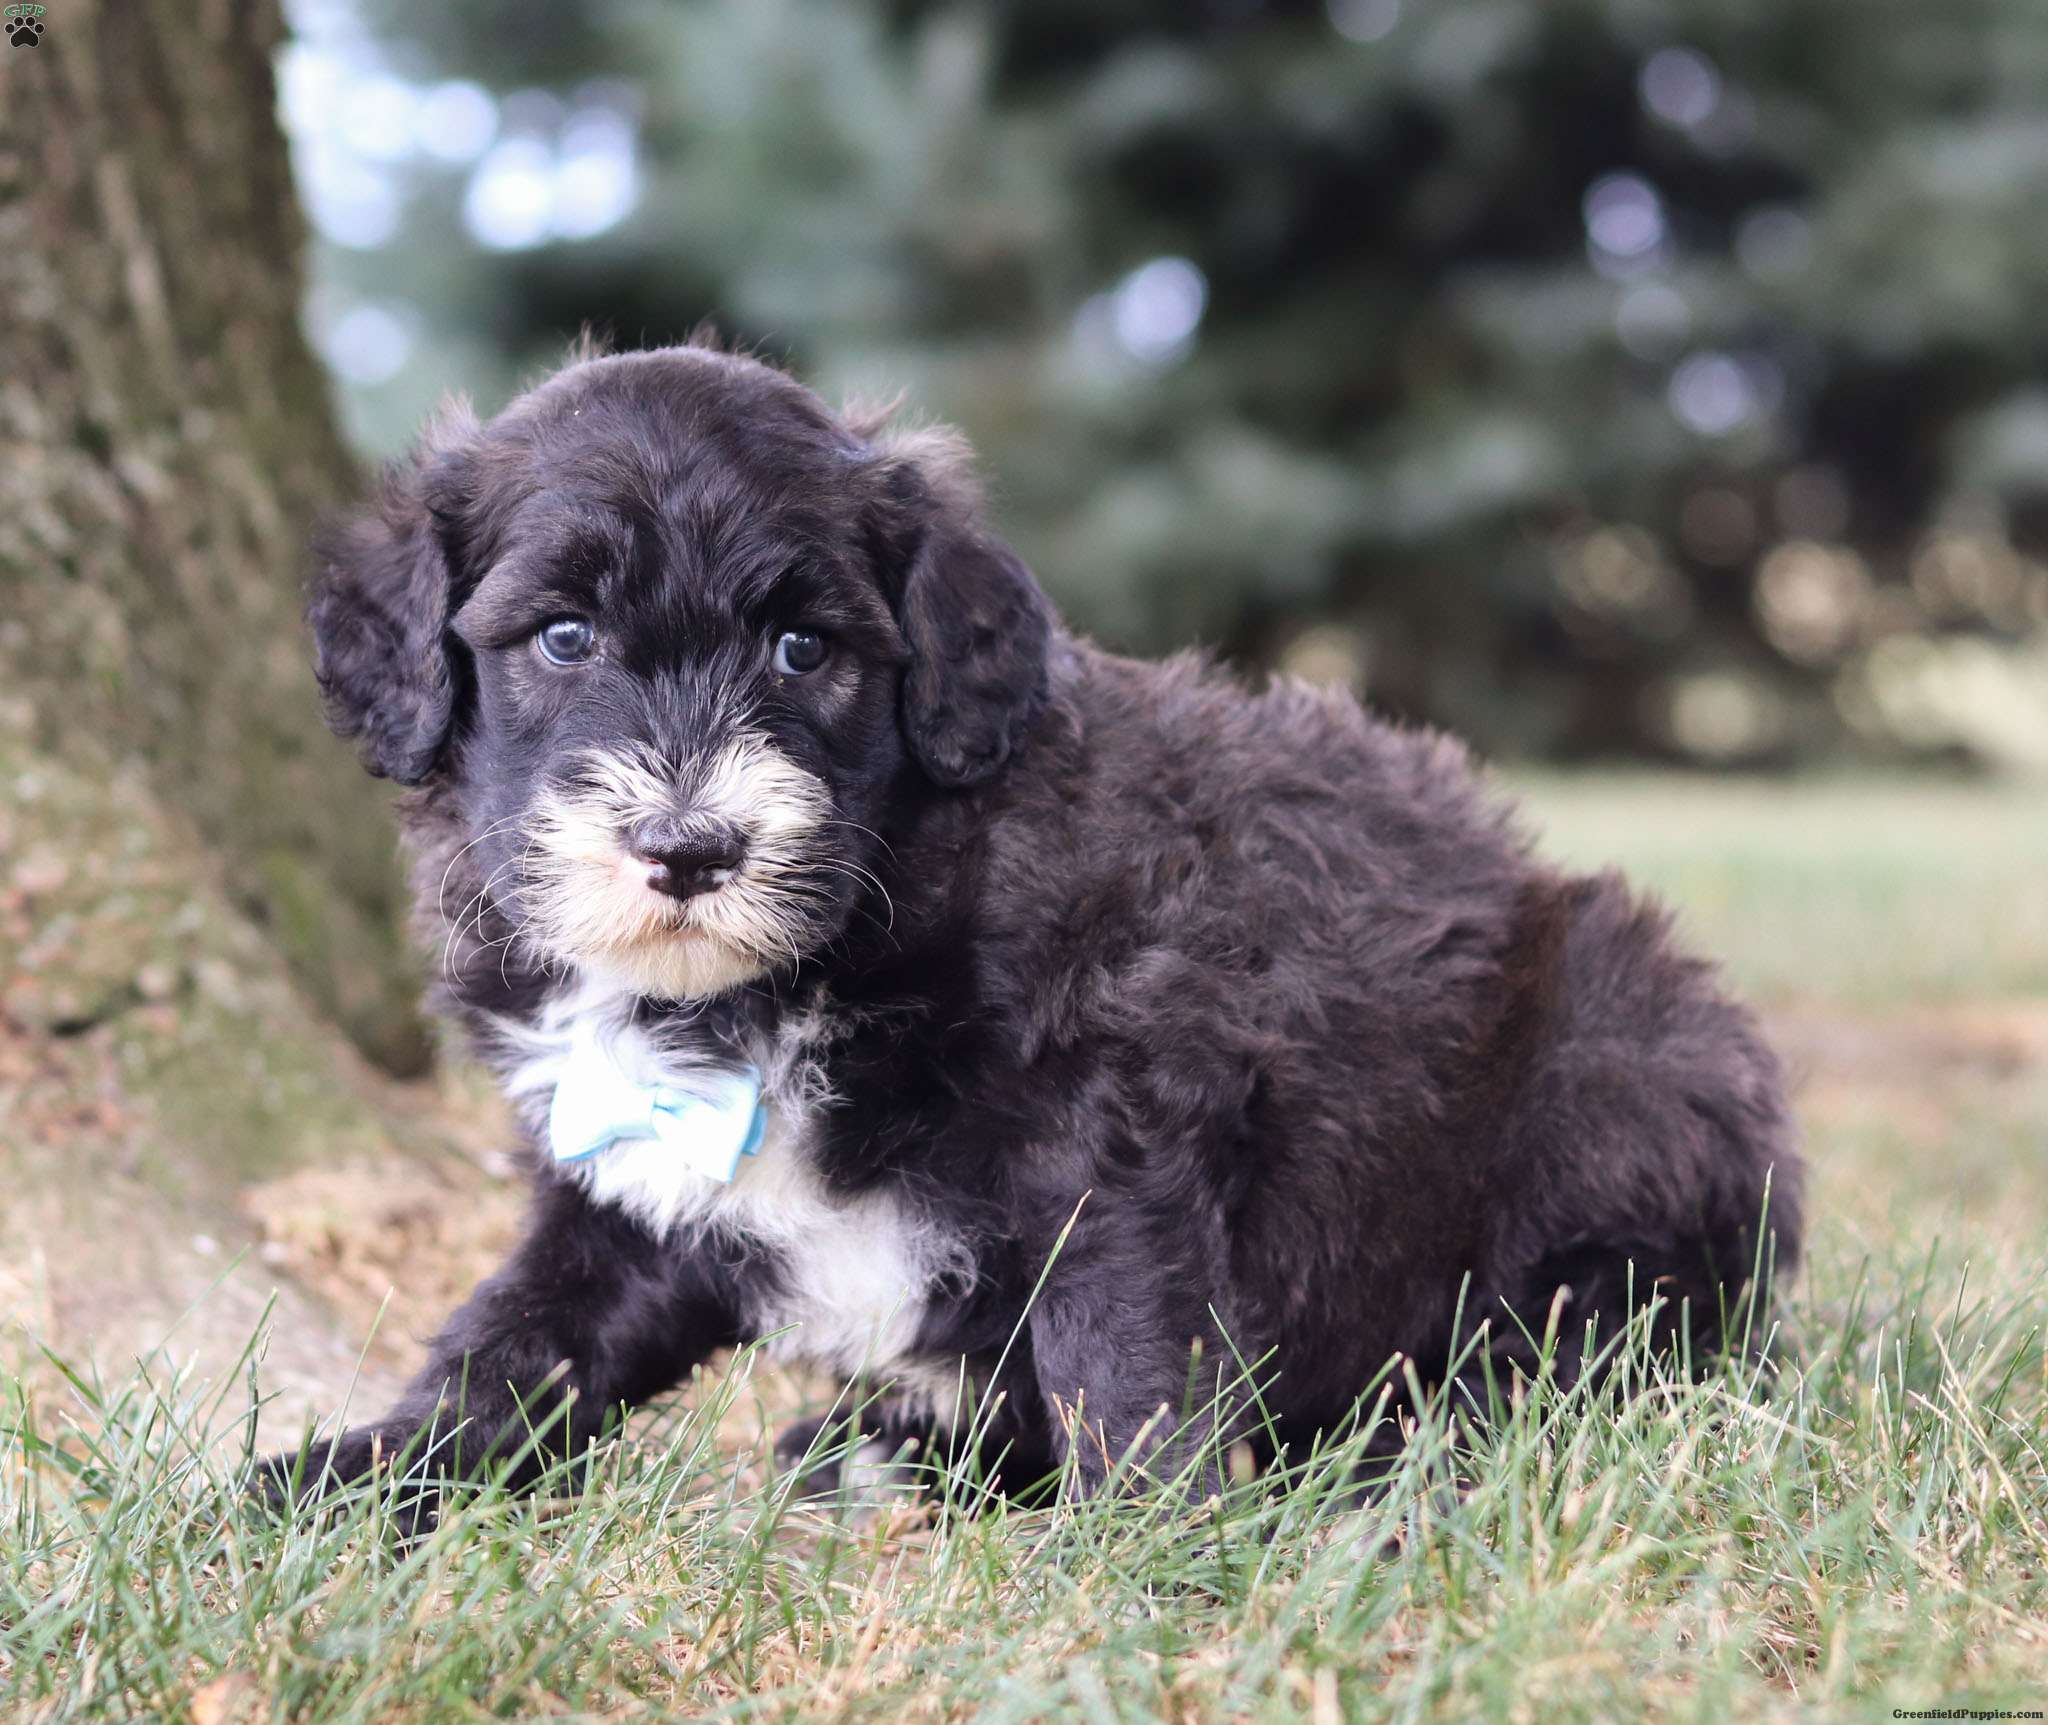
(389, 1247)
(1990, 1039)
(1927, 1122)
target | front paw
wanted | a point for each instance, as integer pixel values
(328, 1467)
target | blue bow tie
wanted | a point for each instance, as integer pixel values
(709, 1126)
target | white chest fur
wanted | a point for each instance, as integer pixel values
(853, 1275)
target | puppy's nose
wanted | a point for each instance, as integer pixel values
(684, 861)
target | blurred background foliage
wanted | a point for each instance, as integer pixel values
(1665, 377)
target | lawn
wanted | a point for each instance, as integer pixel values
(1867, 1532)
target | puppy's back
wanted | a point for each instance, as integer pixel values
(1320, 949)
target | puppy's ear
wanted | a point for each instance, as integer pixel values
(379, 609)
(977, 624)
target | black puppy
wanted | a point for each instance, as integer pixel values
(845, 929)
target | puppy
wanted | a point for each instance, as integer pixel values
(850, 936)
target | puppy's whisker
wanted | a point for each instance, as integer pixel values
(491, 831)
(869, 831)
(829, 896)
(455, 931)
(482, 905)
(505, 945)
(504, 960)
(862, 875)
(882, 928)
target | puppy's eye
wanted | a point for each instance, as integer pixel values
(567, 641)
(800, 652)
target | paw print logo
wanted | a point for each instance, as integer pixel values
(24, 25)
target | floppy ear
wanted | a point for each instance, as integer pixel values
(977, 624)
(379, 611)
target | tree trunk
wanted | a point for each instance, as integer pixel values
(169, 440)
(196, 882)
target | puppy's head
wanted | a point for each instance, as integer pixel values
(672, 644)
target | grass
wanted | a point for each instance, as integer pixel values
(1867, 1532)
(1849, 891)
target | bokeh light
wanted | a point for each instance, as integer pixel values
(1150, 316)
(1715, 394)
(1625, 226)
(456, 121)
(1681, 86)
(1365, 20)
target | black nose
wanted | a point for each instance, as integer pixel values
(684, 861)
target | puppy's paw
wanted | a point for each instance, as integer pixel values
(322, 1466)
(323, 1470)
(867, 1476)
(799, 1442)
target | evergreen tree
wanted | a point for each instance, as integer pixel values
(1583, 373)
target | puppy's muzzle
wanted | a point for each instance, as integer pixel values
(684, 859)
(679, 881)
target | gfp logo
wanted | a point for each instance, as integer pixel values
(24, 25)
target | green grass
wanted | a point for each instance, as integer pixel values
(1846, 891)
(1869, 1531)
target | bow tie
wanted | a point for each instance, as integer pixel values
(708, 1126)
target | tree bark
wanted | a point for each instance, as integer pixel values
(197, 884)
(168, 441)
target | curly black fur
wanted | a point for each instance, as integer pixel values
(1266, 998)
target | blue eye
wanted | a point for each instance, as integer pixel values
(800, 652)
(567, 641)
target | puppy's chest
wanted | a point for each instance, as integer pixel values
(846, 1278)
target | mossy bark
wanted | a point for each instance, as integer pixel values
(198, 886)
(168, 439)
